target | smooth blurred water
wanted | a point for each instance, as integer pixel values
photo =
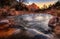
(34, 21)
(37, 21)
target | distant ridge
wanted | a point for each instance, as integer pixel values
(33, 7)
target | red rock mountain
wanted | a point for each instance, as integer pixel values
(32, 7)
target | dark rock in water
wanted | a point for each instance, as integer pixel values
(17, 27)
(40, 37)
(20, 33)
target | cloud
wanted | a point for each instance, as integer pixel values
(41, 0)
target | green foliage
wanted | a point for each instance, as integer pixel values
(55, 6)
(21, 6)
(6, 2)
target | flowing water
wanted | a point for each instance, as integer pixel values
(38, 21)
(34, 21)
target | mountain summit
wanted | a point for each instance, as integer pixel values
(33, 7)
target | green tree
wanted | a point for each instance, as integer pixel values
(21, 6)
(55, 6)
(6, 2)
(45, 6)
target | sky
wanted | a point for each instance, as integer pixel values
(40, 3)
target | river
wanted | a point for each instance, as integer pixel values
(34, 21)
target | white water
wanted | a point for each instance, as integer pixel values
(34, 21)
(37, 21)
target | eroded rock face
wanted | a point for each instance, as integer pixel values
(54, 23)
(57, 30)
